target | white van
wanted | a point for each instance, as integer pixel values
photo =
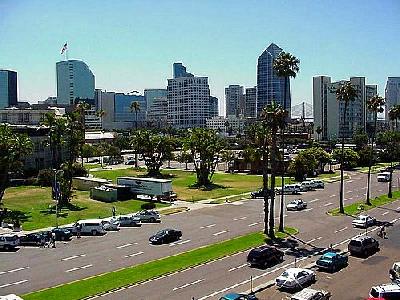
(383, 177)
(386, 291)
(93, 226)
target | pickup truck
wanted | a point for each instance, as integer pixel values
(332, 261)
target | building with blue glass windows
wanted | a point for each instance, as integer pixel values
(270, 87)
(122, 109)
(8, 88)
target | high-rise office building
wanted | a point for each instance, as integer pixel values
(371, 90)
(188, 101)
(123, 112)
(328, 111)
(179, 70)
(157, 106)
(392, 94)
(74, 80)
(8, 88)
(213, 107)
(234, 100)
(270, 87)
(250, 102)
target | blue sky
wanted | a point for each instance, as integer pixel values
(131, 45)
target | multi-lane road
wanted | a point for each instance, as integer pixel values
(31, 269)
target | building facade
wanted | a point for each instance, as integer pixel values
(371, 90)
(250, 102)
(270, 87)
(230, 125)
(8, 88)
(27, 116)
(188, 101)
(123, 113)
(392, 94)
(74, 80)
(179, 70)
(214, 107)
(234, 100)
(157, 107)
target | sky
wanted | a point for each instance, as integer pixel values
(131, 45)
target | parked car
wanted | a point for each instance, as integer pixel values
(9, 241)
(363, 245)
(332, 261)
(296, 204)
(288, 189)
(364, 221)
(306, 186)
(125, 221)
(264, 256)
(258, 194)
(165, 236)
(92, 226)
(110, 225)
(311, 294)
(319, 184)
(390, 291)
(38, 239)
(62, 234)
(294, 278)
(394, 272)
(130, 162)
(236, 296)
(150, 216)
(383, 177)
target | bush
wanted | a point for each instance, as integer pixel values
(78, 170)
(45, 177)
(148, 205)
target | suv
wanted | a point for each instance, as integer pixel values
(332, 261)
(307, 186)
(264, 256)
(8, 241)
(93, 227)
(150, 216)
(311, 294)
(363, 245)
(386, 291)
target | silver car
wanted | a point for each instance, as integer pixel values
(149, 216)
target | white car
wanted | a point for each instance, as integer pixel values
(110, 225)
(383, 177)
(311, 294)
(363, 221)
(294, 278)
(296, 204)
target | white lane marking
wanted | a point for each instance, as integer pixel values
(134, 254)
(308, 209)
(315, 200)
(349, 191)
(240, 218)
(13, 283)
(124, 246)
(318, 238)
(238, 267)
(253, 224)
(188, 284)
(79, 268)
(327, 204)
(14, 270)
(340, 230)
(385, 213)
(312, 240)
(73, 257)
(179, 243)
(332, 196)
(220, 232)
(349, 181)
(208, 226)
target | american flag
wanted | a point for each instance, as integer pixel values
(64, 48)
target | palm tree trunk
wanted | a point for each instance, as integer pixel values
(341, 192)
(265, 189)
(271, 232)
(368, 202)
(390, 195)
(281, 223)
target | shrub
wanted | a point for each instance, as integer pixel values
(148, 205)
(78, 170)
(45, 177)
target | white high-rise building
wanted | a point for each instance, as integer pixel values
(392, 94)
(74, 80)
(188, 101)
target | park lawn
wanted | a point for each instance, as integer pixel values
(182, 183)
(152, 269)
(352, 209)
(375, 168)
(33, 202)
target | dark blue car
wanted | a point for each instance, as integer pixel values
(236, 296)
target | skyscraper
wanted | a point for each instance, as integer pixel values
(157, 106)
(180, 71)
(392, 94)
(250, 102)
(234, 100)
(74, 80)
(8, 88)
(188, 101)
(213, 107)
(270, 87)
(122, 109)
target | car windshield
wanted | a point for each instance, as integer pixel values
(355, 243)
(285, 274)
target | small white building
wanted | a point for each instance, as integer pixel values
(228, 125)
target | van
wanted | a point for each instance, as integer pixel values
(388, 291)
(93, 227)
(383, 177)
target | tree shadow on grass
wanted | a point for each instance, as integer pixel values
(63, 211)
(14, 215)
(158, 176)
(209, 187)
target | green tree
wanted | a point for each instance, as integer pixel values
(345, 94)
(227, 156)
(87, 151)
(135, 108)
(394, 114)
(349, 158)
(13, 148)
(205, 147)
(375, 105)
(360, 139)
(185, 157)
(153, 148)
(57, 128)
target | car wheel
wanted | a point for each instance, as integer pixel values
(314, 279)
(6, 247)
(152, 220)
(62, 238)
(94, 232)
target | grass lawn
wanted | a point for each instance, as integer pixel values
(352, 209)
(33, 202)
(375, 168)
(152, 269)
(224, 184)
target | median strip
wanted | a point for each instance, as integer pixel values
(139, 273)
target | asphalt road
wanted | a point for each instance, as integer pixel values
(30, 269)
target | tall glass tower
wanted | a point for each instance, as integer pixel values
(8, 88)
(270, 87)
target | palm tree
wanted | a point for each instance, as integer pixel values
(374, 105)
(135, 107)
(345, 94)
(274, 115)
(394, 114)
(286, 66)
(318, 130)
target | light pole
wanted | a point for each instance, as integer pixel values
(56, 193)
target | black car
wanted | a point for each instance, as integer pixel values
(264, 256)
(165, 236)
(34, 239)
(363, 246)
(259, 193)
(62, 234)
